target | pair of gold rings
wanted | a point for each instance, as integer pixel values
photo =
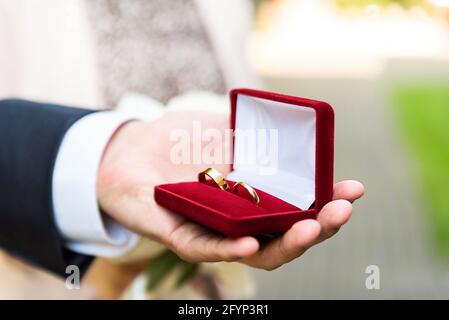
(221, 183)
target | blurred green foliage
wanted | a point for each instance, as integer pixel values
(423, 114)
(159, 268)
(257, 3)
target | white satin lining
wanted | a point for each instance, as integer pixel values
(274, 149)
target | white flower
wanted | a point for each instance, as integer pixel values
(147, 108)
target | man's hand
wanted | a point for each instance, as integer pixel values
(138, 158)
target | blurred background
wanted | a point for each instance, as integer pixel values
(384, 67)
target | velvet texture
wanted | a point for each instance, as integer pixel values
(231, 214)
(236, 215)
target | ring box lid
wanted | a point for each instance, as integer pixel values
(284, 146)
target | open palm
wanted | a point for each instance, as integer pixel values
(138, 158)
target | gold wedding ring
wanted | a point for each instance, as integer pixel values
(215, 176)
(254, 196)
(221, 183)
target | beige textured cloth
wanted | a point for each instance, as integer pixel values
(49, 48)
(159, 48)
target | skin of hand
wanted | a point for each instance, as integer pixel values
(137, 159)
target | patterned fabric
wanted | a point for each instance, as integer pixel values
(154, 47)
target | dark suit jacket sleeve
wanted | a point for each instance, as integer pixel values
(30, 135)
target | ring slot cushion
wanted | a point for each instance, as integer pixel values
(293, 183)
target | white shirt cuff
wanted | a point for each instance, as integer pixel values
(79, 220)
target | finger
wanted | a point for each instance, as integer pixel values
(291, 245)
(194, 243)
(350, 190)
(332, 217)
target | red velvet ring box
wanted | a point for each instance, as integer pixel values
(283, 147)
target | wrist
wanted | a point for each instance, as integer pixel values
(113, 162)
